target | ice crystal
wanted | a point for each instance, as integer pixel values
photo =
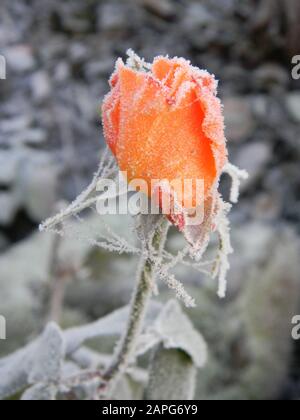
(237, 175)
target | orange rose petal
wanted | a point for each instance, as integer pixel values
(141, 105)
(111, 119)
(162, 67)
(190, 158)
(167, 124)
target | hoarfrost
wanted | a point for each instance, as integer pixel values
(42, 362)
(237, 175)
(174, 330)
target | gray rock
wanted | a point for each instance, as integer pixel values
(78, 52)
(37, 184)
(8, 166)
(113, 16)
(99, 67)
(9, 206)
(15, 123)
(270, 76)
(259, 104)
(225, 7)
(197, 16)
(200, 25)
(162, 8)
(239, 120)
(34, 136)
(254, 157)
(20, 58)
(267, 206)
(234, 78)
(40, 86)
(61, 72)
(293, 105)
(3, 242)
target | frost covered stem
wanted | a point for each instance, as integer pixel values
(124, 354)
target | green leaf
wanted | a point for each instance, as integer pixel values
(172, 376)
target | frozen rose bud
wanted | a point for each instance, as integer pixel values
(165, 122)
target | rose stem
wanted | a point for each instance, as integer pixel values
(145, 280)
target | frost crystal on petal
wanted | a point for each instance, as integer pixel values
(136, 62)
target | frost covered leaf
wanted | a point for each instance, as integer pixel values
(175, 331)
(48, 357)
(40, 392)
(172, 376)
(14, 371)
(110, 325)
(41, 360)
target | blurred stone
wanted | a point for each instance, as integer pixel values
(197, 16)
(269, 302)
(293, 105)
(87, 105)
(78, 52)
(225, 7)
(200, 25)
(99, 67)
(37, 185)
(40, 86)
(278, 181)
(8, 206)
(15, 124)
(239, 121)
(113, 16)
(267, 206)
(20, 58)
(3, 242)
(234, 78)
(61, 72)
(270, 76)
(162, 8)
(75, 17)
(253, 157)
(29, 137)
(259, 104)
(8, 166)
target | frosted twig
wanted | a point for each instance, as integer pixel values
(237, 175)
(125, 350)
(57, 282)
(176, 259)
(81, 378)
(222, 264)
(109, 244)
(83, 201)
(177, 286)
(179, 259)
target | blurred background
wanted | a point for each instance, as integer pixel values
(59, 56)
